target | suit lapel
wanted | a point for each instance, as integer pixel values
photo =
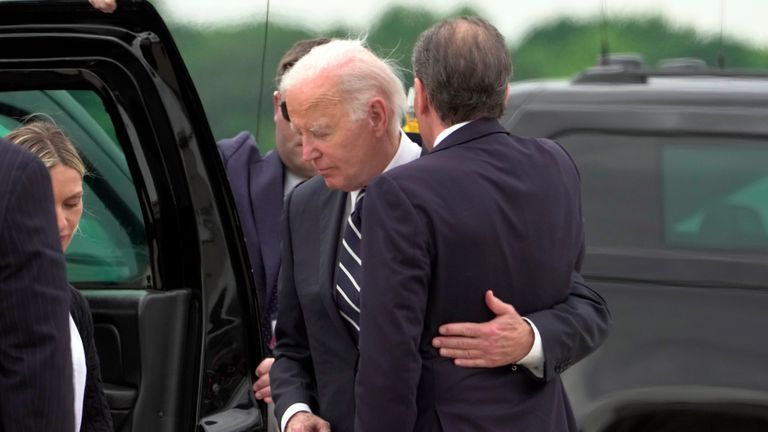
(266, 191)
(331, 209)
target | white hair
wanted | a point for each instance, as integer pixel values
(361, 77)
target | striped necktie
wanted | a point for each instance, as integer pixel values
(349, 273)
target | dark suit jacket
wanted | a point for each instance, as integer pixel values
(484, 210)
(316, 358)
(96, 415)
(36, 392)
(257, 185)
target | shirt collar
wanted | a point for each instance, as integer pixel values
(444, 134)
(290, 181)
(407, 151)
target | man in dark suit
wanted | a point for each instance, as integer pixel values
(36, 388)
(484, 210)
(347, 104)
(259, 185)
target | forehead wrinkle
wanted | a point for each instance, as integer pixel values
(321, 103)
(317, 110)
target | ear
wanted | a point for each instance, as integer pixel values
(420, 100)
(378, 116)
(276, 106)
(506, 95)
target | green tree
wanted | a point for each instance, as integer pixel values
(565, 46)
(226, 62)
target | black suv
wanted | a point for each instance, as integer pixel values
(674, 167)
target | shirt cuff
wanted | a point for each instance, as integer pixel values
(534, 360)
(293, 409)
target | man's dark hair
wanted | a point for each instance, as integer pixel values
(297, 51)
(465, 67)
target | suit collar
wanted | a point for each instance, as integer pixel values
(471, 131)
(331, 207)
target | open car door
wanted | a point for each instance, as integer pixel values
(159, 255)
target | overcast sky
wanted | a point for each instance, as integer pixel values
(744, 19)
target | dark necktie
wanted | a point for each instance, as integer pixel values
(349, 271)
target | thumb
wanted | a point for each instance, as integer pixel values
(497, 306)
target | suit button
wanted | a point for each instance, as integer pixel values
(513, 367)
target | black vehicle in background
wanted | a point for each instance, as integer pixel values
(674, 167)
(160, 256)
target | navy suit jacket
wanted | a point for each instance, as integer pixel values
(257, 185)
(316, 357)
(484, 210)
(36, 392)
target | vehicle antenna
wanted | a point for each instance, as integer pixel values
(721, 51)
(261, 75)
(604, 48)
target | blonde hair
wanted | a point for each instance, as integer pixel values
(47, 141)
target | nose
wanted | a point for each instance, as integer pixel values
(309, 151)
(61, 220)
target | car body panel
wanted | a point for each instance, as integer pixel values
(686, 339)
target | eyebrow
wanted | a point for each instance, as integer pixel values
(320, 128)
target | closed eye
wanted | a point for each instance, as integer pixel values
(73, 201)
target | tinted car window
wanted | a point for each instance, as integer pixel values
(110, 245)
(659, 193)
(716, 197)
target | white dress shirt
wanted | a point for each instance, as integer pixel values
(79, 370)
(290, 181)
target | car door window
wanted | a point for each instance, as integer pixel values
(702, 193)
(110, 246)
(716, 196)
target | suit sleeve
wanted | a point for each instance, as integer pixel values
(573, 329)
(36, 391)
(238, 151)
(292, 376)
(396, 273)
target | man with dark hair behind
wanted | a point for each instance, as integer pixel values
(484, 210)
(259, 185)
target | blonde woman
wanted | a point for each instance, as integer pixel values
(45, 140)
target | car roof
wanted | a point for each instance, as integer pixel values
(702, 101)
(664, 90)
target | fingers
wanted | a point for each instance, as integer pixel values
(265, 366)
(461, 329)
(474, 358)
(460, 353)
(459, 343)
(474, 363)
(474, 330)
(261, 388)
(497, 306)
(107, 6)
